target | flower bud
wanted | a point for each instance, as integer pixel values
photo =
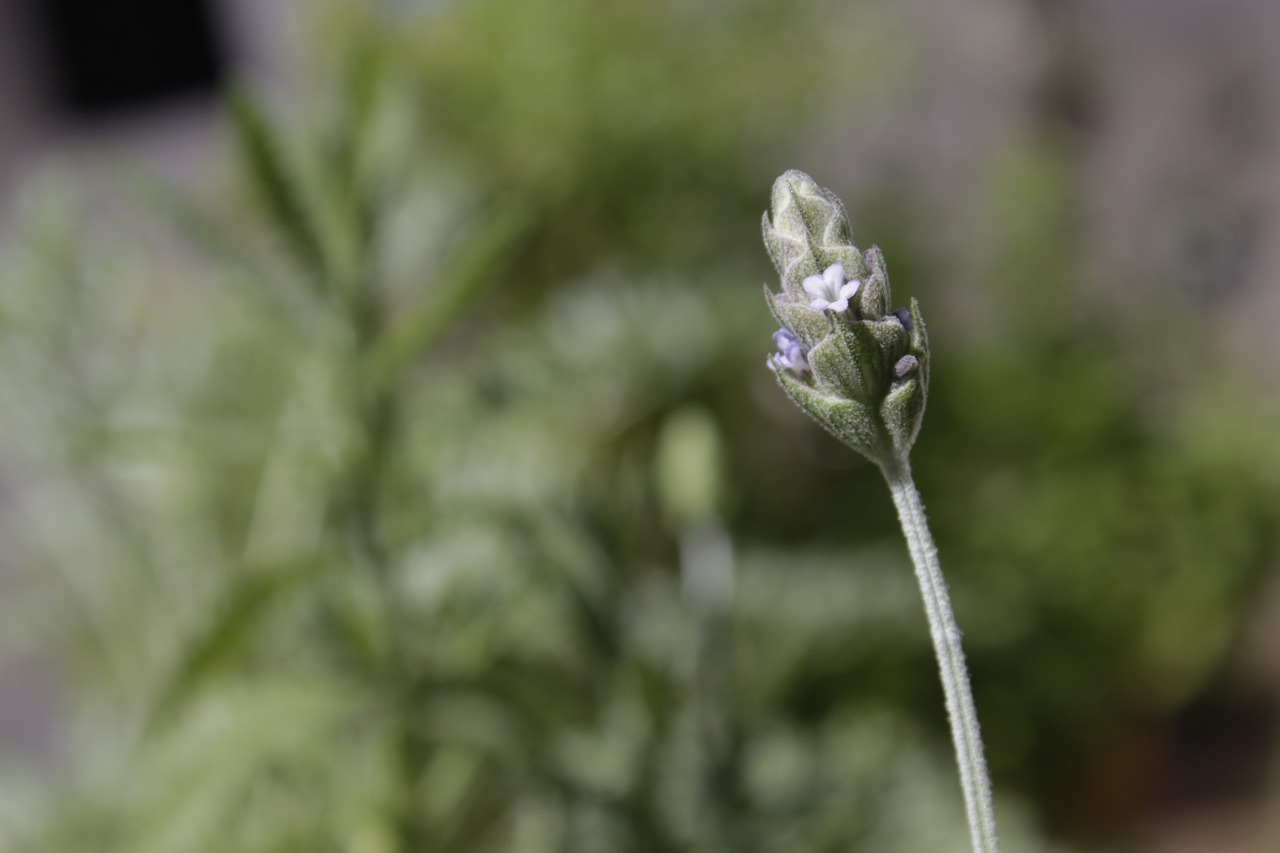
(690, 467)
(858, 367)
(807, 233)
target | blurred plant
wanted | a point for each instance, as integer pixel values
(861, 370)
(482, 661)
(635, 128)
(351, 587)
(377, 510)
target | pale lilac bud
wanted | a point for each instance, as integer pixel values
(790, 355)
(904, 317)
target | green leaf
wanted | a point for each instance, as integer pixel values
(839, 364)
(418, 326)
(792, 256)
(902, 412)
(854, 423)
(866, 341)
(875, 298)
(209, 235)
(809, 325)
(919, 343)
(277, 186)
(248, 604)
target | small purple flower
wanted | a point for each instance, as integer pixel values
(830, 290)
(904, 317)
(790, 355)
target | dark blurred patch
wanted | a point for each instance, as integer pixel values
(1221, 750)
(107, 56)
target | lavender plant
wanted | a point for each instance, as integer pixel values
(861, 370)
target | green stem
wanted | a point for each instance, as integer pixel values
(946, 644)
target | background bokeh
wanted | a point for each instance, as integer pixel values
(388, 462)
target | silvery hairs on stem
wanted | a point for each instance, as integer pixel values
(844, 356)
(861, 370)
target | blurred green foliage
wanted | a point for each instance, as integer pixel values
(385, 503)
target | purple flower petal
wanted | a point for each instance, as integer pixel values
(790, 356)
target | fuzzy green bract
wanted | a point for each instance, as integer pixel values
(869, 366)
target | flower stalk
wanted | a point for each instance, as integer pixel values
(945, 633)
(861, 370)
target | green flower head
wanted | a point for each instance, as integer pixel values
(859, 368)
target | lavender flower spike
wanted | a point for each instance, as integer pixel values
(790, 355)
(830, 290)
(864, 376)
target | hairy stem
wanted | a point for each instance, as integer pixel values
(946, 644)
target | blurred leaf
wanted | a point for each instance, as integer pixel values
(276, 184)
(471, 269)
(229, 637)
